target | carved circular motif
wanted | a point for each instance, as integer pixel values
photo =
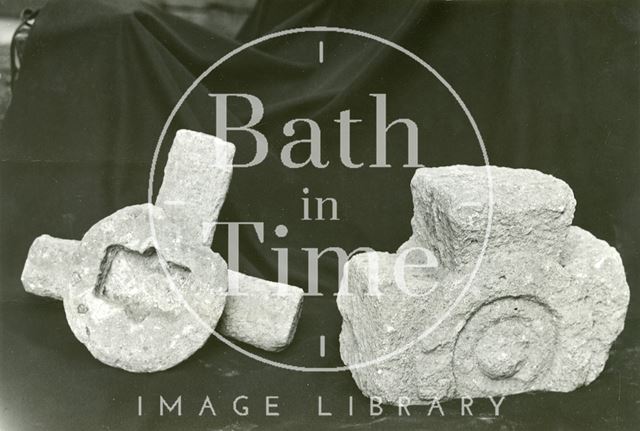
(504, 347)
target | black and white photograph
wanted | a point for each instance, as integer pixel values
(242, 215)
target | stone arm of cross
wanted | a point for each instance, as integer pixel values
(115, 273)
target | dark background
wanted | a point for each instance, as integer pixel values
(553, 86)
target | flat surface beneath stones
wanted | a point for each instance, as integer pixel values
(42, 360)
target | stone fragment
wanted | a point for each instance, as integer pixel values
(416, 255)
(597, 267)
(531, 318)
(140, 297)
(195, 183)
(193, 190)
(196, 180)
(261, 313)
(531, 211)
(46, 269)
(264, 314)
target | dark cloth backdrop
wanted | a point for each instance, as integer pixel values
(553, 86)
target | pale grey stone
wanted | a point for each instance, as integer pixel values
(193, 190)
(132, 287)
(195, 183)
(531, 211)
(597, 267)
(532, 319)
(261, 313)
(265, 315)
(417, 254)
(130, 308)
(46, 269)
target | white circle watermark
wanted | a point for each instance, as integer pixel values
(418, 60)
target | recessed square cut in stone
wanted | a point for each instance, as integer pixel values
(139, 283)
(113, 278)
(126, 309)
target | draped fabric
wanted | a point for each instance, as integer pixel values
(547, 90)
(552, 86)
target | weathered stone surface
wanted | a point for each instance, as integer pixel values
(193, 190)
(531, 211)
(196, 179)
(195, 183)
(416, 255)
(597, 267)
(532, 319)
(133, 310)
(265, 316)
(46, 269)
(261, 313)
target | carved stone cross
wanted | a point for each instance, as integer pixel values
(143, 290)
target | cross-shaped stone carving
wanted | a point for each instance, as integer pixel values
(142, 289)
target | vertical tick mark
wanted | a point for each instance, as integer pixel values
(322, 346)
(321, 52)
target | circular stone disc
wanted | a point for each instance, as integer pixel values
(134, 310)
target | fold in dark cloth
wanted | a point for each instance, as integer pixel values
(552, 86)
